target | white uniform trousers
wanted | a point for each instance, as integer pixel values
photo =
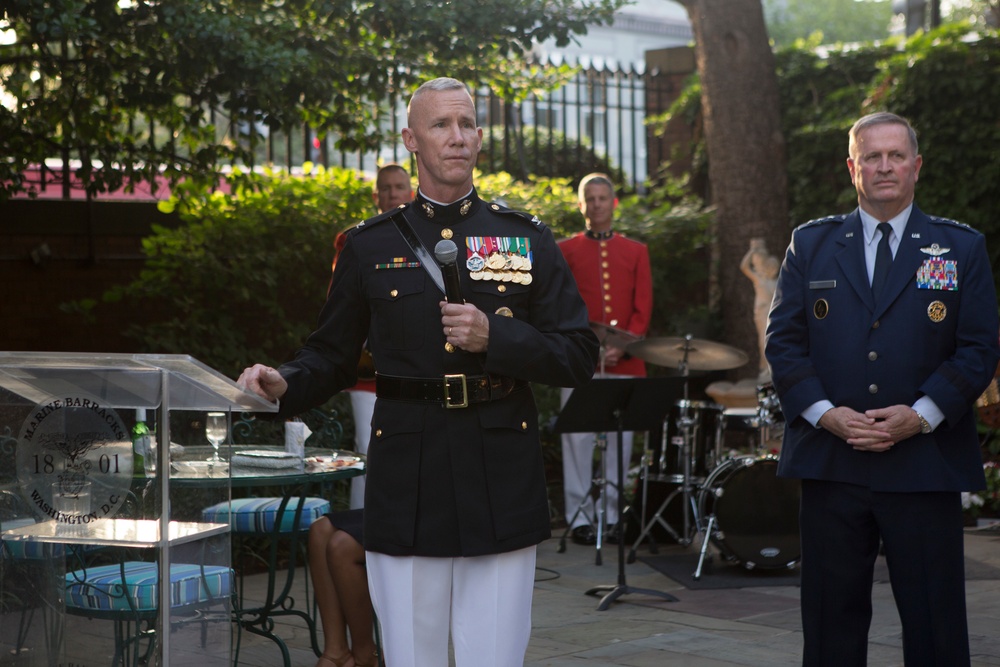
(362, 406)
(484, 600)
(578, 469)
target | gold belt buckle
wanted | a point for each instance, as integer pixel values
(465, 392)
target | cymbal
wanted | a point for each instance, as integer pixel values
(609, 335)
(702, 355)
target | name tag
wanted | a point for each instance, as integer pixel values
(822, 284)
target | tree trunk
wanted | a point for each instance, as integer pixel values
(746, 153)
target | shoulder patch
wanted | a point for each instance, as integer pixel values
(533, 220)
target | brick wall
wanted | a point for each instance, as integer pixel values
(55, 252)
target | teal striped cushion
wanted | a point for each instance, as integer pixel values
(258, 515)
(100, 588)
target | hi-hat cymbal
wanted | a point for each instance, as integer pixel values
(609, 335)
(702, 355)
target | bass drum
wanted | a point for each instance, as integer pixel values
(756, 512)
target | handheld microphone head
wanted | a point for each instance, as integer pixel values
(446, 252)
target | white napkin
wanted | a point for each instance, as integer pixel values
(295, 438)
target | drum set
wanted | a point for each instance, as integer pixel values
(729, 497)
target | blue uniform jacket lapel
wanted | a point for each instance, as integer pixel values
(851, 258)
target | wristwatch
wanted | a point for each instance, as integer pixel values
(925, 426)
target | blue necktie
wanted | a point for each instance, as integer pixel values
(883, 259)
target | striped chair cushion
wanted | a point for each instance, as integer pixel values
(258, 515)
(100, 588)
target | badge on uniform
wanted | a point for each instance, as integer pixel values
(501, 258)
(821, 308)
(937, 311)
(936, 272)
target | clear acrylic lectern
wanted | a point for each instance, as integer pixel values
(75, 514)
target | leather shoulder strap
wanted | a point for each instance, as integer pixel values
(427, 260)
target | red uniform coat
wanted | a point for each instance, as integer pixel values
(615, 282)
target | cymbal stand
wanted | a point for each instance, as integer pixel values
(685, 425)
(598, 484)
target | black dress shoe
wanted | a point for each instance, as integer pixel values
(584, 535)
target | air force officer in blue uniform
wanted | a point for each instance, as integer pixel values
(880, 338)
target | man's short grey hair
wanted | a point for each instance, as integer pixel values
(437, 85)
(594, 178)
(879, 118)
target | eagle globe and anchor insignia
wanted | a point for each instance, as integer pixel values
(68, 444)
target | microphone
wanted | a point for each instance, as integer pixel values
(446, 253)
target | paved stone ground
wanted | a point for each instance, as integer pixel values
(756, 626)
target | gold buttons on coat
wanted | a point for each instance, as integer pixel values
(873, 389)
(873, 355)
(378, 433)
(501, 288)
(524, 426)
(447, 233)
(394, 293)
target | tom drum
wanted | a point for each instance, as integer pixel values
(703, 423)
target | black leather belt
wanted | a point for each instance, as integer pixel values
(451, 391)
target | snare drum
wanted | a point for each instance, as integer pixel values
(706, 431)
(756, 512)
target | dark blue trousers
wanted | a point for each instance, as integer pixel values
(842, 526)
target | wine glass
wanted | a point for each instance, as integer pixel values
(215, 431)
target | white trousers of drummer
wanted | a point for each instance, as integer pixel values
(484, 601)
(578, 470)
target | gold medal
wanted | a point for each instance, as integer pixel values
(507, 276)
(937, 311)
(821, 308)
(526, 279)
(476, 275)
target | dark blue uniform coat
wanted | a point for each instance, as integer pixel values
(448, 482)
(827, 338)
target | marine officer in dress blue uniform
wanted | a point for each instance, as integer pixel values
(880, 339)
(456, 500)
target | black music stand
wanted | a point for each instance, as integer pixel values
(618, 405)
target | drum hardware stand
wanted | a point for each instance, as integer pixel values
(617, 405)
(598, 484)
(685, 425)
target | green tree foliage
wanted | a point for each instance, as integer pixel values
(943, 82)
(132, 88)
(245, 274)
(834, 20)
